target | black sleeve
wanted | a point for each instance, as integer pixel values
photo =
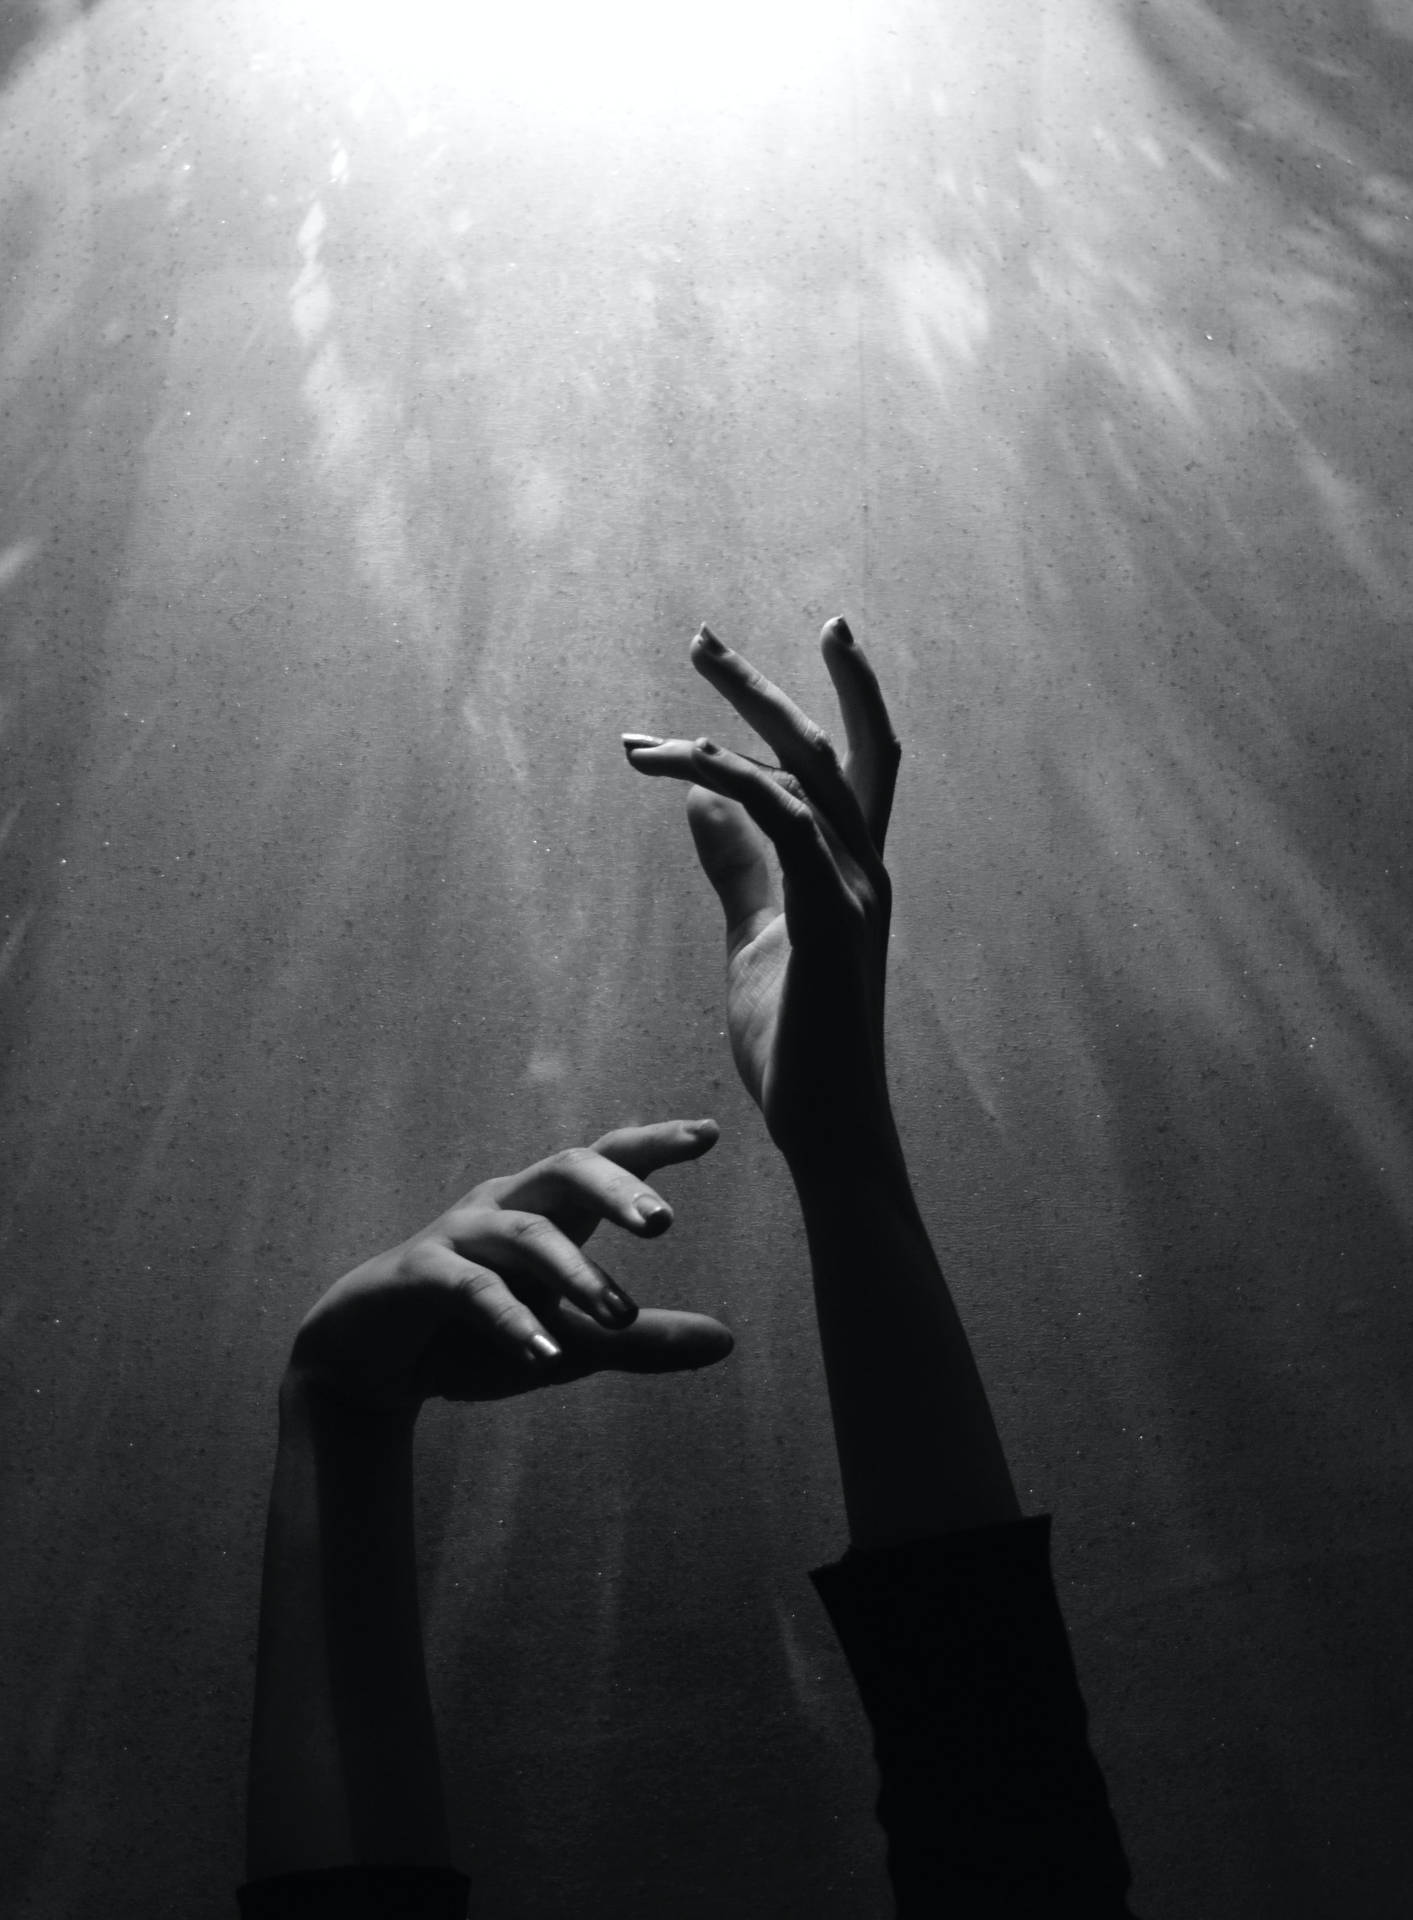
(358, 1893)
(991, 1800)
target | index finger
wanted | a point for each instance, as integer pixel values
(642, 1150)
(804, 749)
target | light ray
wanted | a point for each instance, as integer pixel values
(620, 61)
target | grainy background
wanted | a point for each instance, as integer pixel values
(369, 457)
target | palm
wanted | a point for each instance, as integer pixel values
(447, 1313)
(804, 986)
(756, 976)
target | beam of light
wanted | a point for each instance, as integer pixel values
(577, 61)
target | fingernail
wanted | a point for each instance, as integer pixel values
(616, 1307)
(541, 1347)
(632, 741)
(709, 640)
(653, 1214)
(841, 628)
(706, 746)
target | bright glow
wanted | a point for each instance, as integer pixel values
(570, 60)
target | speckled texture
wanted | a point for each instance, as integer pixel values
(368, 464)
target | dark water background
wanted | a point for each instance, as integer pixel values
(369, 458)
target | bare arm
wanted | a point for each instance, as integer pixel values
(990, 1797)
(917, 1443)
(343, 1761)
(918, 1447)
(343, 1764)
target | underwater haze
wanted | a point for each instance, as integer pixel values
(376, 427)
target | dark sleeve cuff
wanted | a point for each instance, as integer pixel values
(991, 1798)
(358, 1893)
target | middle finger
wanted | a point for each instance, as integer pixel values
(533, 1248)
(803, 748)
(583, 1184)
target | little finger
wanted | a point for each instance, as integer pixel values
(484, 1301)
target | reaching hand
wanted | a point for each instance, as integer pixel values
(805, 986)
(449, 1312)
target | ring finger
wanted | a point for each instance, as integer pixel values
(488, 1304)
(528, 1247)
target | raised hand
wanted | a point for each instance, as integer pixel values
(496, 1296)
(805, 979)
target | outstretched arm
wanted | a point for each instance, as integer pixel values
(992, 1802)
(343, 1763)
(343, 1751)
(918, 1447)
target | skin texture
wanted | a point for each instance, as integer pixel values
(805, 979)
(343, 1763)
(497, 1295)
(810, 962)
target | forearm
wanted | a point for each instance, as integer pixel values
(918, 1447)
(343, 1764)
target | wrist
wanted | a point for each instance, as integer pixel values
(311, 1406)
(835, 1160)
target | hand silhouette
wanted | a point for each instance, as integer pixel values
(495, 1297)
(805, 979)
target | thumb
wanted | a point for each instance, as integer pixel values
(732, 853)
(660, 1340)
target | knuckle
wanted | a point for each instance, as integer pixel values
(801, 823)
(508, 1316)
(410, 1264)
